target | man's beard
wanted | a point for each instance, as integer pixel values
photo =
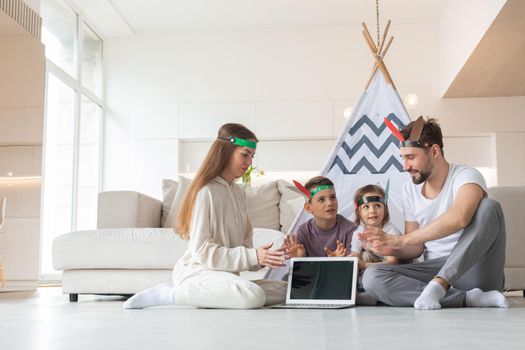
(423, 176)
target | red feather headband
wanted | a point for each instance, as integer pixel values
(415, 134)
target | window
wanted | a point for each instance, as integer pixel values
(91, 63)
(88, 164)
(73, 124)
(59, 164)
(59, 29)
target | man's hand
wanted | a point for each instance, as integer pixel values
(376, 240)
(272, 259)
(293, 247)
(340, 250)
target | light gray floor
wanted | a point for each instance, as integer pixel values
(47, 320)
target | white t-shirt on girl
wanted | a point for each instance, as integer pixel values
(357, 246)
(419, 209)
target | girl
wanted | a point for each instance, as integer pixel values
(213, 217)
(371, 210)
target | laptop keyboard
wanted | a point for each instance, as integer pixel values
(314, 306)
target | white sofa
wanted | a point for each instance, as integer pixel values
(131, 251)
(512, 201)
(134, 246)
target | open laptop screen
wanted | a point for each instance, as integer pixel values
(322, 280)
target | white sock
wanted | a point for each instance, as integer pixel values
(478, 298)
(430, 296)
(162, 294)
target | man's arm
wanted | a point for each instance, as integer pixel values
(412, 251)
(410, 245)
(384, 244)
(454, 219)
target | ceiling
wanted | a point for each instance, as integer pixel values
(125, 17)
(496, 66)
(493, 69)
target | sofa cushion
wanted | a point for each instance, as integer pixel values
(290, 203)
(261, 236)
(263, 205)
(118, 209)
(184, 183)
(124, 248)
(132, 248)
(169, 189)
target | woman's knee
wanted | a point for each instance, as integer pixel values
(248, 296)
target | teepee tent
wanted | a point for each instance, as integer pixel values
(367, 152)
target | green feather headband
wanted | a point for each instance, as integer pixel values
(313, 192)
(320, 188)
(240, 142)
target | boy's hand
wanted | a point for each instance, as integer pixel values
(293, 247)
(340, 250)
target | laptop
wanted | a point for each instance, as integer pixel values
(321, 283)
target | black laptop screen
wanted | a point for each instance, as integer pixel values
(322, 280)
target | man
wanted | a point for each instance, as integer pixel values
(448, 219)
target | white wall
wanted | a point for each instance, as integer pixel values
(167, 94)
(34, 4)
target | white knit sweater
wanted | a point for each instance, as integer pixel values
(220, 233)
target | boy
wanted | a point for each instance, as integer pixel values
(327, 233)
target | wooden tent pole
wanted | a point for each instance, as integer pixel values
(375, 67)
(387, 46)
(368, 38)
(378, 59)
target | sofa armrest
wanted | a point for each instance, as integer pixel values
(119, 209)
(511, 200)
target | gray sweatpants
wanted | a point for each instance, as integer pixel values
(476, 261)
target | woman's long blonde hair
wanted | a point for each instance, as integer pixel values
(215, 162)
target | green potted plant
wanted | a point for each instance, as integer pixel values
(247, 177)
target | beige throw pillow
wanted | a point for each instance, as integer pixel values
(261, 236)
(291, 202)
(169, 189)
(263, 206)
(171, 220)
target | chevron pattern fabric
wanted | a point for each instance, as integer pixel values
(352, 145)
(367, 152)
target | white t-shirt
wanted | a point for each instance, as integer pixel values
(357, 246)
(419, 209)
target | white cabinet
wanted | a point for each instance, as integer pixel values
(22, 68)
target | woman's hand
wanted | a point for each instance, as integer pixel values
(293, 247)
(270, 258)
(340, 250)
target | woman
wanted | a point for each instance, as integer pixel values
(213, 217)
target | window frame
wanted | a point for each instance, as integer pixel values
(79, 90)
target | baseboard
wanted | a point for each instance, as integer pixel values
(19, 285)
